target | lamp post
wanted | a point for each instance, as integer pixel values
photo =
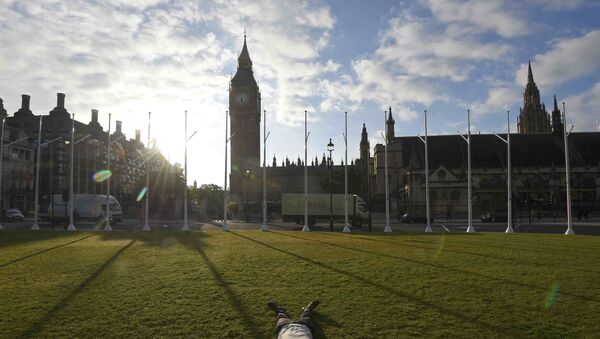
(509, 228)
(570, 230)
(330, 149)
(71, 227)
(146, 227)
(266, 134)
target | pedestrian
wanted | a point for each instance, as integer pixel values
(286, 328)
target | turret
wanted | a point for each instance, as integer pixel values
(389, 124)
(557, 123)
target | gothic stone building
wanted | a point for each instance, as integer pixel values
(537, 154)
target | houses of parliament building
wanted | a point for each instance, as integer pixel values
(537, 161)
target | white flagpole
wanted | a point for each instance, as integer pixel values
(387, 228)
(509, 227)
(427, 203)
(264, 226)
(470, 228)
(185, 227)
(71, 227)
(146, 227)
(107, 226)
(570, 230)
(36, 207)
(225, 192)
(346, 225)
(305, 228)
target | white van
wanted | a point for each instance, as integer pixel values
(86, 206)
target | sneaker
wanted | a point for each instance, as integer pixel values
(273, 306)
(311, 306)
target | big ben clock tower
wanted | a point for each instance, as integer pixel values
(244, 111)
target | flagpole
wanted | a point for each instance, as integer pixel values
(570, 230)
(146, 227)
(305, 228)
(264, 226)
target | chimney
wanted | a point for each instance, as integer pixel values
(118, 126)
(25, 102)
(138, 134)
(60, 100)
(94, 115)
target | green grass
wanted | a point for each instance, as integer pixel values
(214, 284)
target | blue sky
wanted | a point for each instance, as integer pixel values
(128, 57)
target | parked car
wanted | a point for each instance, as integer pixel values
(410, 218)
(497, 216)
(13, 214)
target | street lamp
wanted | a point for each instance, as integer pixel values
(146, 227)
(306, 135)
(266, 134)
(330, 149)
(570, 230)
(107, 226)
(387, 228)
(470, 228)
(225, 192)
(509, 228)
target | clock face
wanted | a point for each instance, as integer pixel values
(242, 98)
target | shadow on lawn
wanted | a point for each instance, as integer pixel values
(37, 326)
(440, 309)
(442, 267)
(43, 251)
(235, 301)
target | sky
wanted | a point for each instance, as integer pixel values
(131, 57)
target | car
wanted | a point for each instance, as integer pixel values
(13, 214)
(410, 218)
(497, 216)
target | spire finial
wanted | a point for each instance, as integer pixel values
(244, 35)
(529, 74)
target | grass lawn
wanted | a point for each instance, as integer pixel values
(214, 284)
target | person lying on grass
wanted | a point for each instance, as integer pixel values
(286, 328)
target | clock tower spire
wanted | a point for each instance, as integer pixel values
(244, 112)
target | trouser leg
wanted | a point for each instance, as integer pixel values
(305, 319)
(282, 320)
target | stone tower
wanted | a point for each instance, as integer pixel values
(533, 117)
(364, 147)
(244, 112)
(390, 125)
(557, 124)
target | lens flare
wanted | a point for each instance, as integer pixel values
(102, 175)
(141, 195)
(552, 295)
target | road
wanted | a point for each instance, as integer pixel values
(580, 227)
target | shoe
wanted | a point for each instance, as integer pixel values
(273, 306)
(311, 306)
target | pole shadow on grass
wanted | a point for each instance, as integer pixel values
(37, 326)
(487, 256)
(248, 321)
(43, 251)
(442, 267)
(411, 298)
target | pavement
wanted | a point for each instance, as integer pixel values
(453, 226)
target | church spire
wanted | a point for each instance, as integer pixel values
(244, 60)
(529, 74)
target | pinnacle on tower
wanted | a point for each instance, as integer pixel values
(244, 60)
(555, 104)
(529, 74)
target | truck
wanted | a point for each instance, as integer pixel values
(85, 206)
(292, 208)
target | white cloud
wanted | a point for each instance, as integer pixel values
(489, 15)
(568, 59)
(499, 99)
(582, 109)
